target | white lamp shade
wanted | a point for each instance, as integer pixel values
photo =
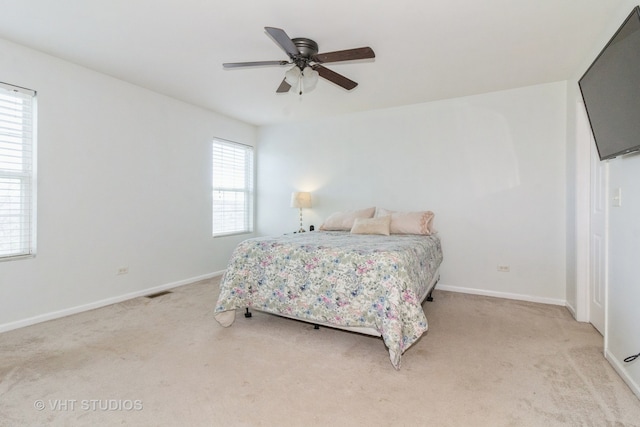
(292, 76)
(300, 199)
(309, 79)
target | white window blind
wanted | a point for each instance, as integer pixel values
(232, 188)
(17, 172)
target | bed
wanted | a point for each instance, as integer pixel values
(366, 283)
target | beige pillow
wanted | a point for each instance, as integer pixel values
(343, 221)
(409, 222)
(378, 225)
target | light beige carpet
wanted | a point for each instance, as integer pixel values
(166, 362)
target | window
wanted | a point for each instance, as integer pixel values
(17, 172)
(232, 188)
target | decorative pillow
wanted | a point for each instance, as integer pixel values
(378, 225)
(409, 222)
(343, 221)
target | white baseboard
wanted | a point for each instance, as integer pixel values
(102, 303)
(572, 310)
(624, 374)
(506, 295)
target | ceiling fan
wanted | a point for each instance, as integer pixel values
(307, 62)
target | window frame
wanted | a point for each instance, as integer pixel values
(25, 173)
(240, 192)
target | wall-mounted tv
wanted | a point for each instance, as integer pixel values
(611, 91)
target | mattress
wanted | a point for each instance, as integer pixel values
(338, 279)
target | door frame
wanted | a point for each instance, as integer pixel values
(582, 213)
(584, 153)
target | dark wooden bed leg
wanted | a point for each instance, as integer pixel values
(429, 295)
(247, 313)
(316, 326)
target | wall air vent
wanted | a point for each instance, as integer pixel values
(159, 294)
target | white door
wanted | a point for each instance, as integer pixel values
(598, 239)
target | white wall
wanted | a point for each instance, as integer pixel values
(491, 167)
(123, 180)
(623, 294)
(623, 309)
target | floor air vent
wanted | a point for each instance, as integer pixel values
(159, 294)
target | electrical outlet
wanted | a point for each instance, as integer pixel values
(616, 199)
(123, 270)
(504, 268)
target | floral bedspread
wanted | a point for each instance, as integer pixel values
(338, 278)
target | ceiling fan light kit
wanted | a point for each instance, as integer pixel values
(293, 75)
(302, 80)
(309, 79)
(307, 68)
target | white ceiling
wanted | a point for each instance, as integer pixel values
(425, 49)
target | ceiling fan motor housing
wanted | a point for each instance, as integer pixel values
(307, 48)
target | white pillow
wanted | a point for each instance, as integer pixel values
(409, 222)
(378, 225)
(343, 221)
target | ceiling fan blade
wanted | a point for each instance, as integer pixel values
(283, 40)
(345, 55)
(253, 64)
(284, 87)
(334, 77)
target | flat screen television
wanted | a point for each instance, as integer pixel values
(611, 91)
